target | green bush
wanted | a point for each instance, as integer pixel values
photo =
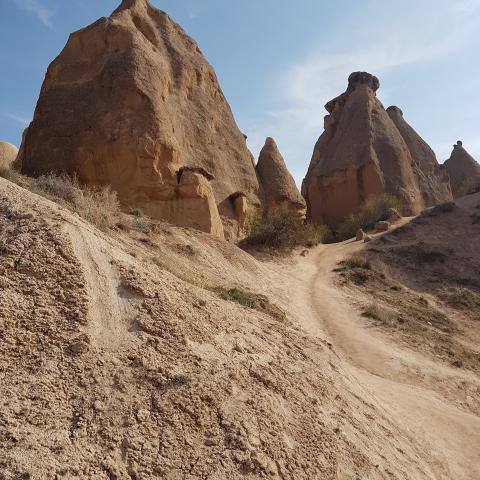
(284, 229)
(373, 210)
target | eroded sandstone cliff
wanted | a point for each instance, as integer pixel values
(362, 153)
(131, 101)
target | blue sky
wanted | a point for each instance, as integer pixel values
(280, 61)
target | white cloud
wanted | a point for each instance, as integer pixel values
(319, 77)
(17, 118)
(36, 7)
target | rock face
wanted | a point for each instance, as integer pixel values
(131, 101)
(432, 180)
(278, 185)
(362, 153)
(464, 171)
(8, 154)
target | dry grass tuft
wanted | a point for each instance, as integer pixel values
(250, 300)
(97, 205)
(462, 298)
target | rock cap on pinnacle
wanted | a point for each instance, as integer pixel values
(394, 109)
(132, 4)
(363, 78)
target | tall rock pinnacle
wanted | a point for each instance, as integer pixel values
(362, 153)
(279, 187)
(131, 101)
(464, 171)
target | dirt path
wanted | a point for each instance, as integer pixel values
(110, 311)
(391, 373)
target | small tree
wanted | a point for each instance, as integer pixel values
(371, 211)
(283, 229)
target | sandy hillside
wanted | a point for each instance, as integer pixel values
(120, 360)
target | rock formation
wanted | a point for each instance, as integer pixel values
(278, 185)
(432, 180)
(464, 171)
(131, 101)
(360, 235)
(8, 154)
(362, 153)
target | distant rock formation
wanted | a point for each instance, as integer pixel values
(362, 153)
(464, 171)
(433, 181)
(278, 185)
(131, 101)
(8, 154)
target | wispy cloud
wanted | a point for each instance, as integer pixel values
(17, 118)
(308, 84)
(37, 8)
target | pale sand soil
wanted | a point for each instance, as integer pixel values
(111, 366)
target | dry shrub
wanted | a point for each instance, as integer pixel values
(381, 314)
(97, 205)
(462, 298)
(283, 229)
(250, 300)
(373, 210)
(15, 177)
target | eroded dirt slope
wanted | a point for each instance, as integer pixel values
(112, 366)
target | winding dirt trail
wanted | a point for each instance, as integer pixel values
(392, 374)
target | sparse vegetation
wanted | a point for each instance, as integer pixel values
(97, 205)
(250, 300)
(186, 249)
(462, 298)
(282, 230)
(441, 209)
(376, 312)
(416, 319)
(422, 254)
(373, 210)
(356, 269)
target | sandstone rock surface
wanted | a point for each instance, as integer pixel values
(360, 235)
(362, 153)
(432, 180)
(130, 101)
(382, 226)
(463, 169)
(8, 154)
(278, 185)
